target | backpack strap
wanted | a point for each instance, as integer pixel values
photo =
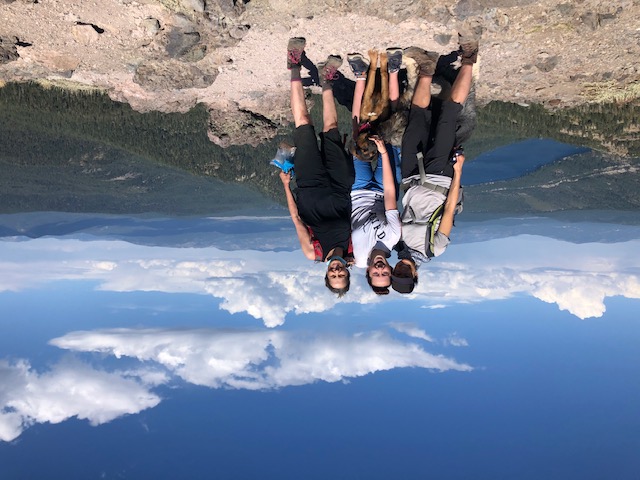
(431, 230)
(423, 179)
(423, 176)
(431, 186)
(409, 217)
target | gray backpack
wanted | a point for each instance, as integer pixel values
(421, 218)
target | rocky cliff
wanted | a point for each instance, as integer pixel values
(169, 55)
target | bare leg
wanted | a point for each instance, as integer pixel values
(357, 103)
(422, 95)
(462, 85)
(394, 90)
(394, 62)
(329, 111)
(359, 67)
(299, 105)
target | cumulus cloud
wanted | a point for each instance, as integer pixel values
(239, 359)
(266, 285)
(68, 389)
(270, 285)
(257, 360)
(576, 277)
(271, 296)
(584, 295)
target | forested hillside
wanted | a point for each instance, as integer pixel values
(80, 151)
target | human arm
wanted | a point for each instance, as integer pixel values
(446, 223)
(356, 106)
(388, 179)
(301, 228)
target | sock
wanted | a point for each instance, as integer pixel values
(295, 73)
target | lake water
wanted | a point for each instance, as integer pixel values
(517, 159)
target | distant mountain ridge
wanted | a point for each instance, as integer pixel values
(276, 233)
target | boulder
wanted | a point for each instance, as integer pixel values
(170, 75)
(8, 50)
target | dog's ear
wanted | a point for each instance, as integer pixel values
(351, 147)
(356, 145)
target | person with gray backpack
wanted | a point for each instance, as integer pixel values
(431, 161)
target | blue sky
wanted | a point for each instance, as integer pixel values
(516, 358)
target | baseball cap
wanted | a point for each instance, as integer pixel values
(403, 284)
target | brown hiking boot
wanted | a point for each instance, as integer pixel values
(469, 39)
(426, 60)
(328, 71)
(295, 50)
(468, 52)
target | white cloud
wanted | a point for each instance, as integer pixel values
(412, 330)
(270, 285)
(584, 295)
(271, 296)
(576, 277)
(69, 389)
(266, 285)
(455, 340)
(259, 359)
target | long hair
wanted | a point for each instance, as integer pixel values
(377, 290)
(341, 292)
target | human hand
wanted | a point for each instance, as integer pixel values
(285, 177)
(457, 167)
(382, 148)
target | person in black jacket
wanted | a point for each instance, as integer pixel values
(321, 210)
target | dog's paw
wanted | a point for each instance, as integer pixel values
(383, 61)
(373, 57)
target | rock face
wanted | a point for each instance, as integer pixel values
(171, 75)
(8, 49)
(168, 55)
(231, 125)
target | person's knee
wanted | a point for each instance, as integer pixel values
(330, 126)
(302, 119)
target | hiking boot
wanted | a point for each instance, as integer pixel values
(328, 71)
(426, 61)
(468, 51)
(394, 59)
(295, 50)
(469, 38)
(359, 65)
